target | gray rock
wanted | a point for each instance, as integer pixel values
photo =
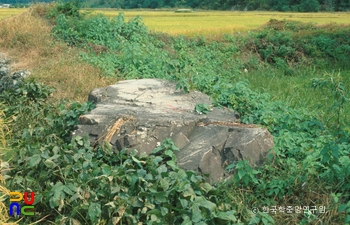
(8, 80)
(139, 114)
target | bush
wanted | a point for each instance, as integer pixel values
(69, 9)
(295, 44)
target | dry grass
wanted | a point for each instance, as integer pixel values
(310, 198)
(26, 39)
(4, 216)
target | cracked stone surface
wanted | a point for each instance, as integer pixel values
(139, 114)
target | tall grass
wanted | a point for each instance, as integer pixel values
(27, 40)
(297, 92)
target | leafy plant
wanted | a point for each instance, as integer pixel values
(345, 208)
(68, 8)
(74, 183)
(202, 108)
(336, 86)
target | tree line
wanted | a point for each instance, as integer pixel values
(275, 5)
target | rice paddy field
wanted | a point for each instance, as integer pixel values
(220, 22)
(8, 12)
(209, 23)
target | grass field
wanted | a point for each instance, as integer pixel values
(210, 23)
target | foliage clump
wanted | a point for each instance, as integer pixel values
(289, 44)
(75, 183)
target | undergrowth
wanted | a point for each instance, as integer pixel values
(308, 166)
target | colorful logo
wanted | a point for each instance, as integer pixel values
(26, 210)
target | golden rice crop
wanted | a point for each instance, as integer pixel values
(210, 22)
(219, 22)
(8, 12)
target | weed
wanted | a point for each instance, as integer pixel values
(202, 108)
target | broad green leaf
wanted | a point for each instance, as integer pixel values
(137, 161)
(164, 184)
(184, 203)
(68, 190)
(106, 170)
(241, 173)
(246, 180)
(49, 164)
(202, 202)
(86, 164)
(54, 157)
(150, 206)
(229, 215)
(141, 172)
(160, 197)
(77, 156)
(72, 187)
(134, 179)
(154, 218)
(76, 196)
(347, 219)
(189, 193)
(342, 207)
(196, 213)
(154, 212)
(231, 166)
(58, 197)
(56, 150)
(206, 187)
(67, 170)
(172, 164)
(170, 153)
(115, 188)
(144, 210)
(164, 211)
(94, 211)
(34, 160)
(157, 159)
(162, 169)
(156, 150)
(187, 220)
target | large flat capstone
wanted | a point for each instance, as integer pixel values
(139, 114)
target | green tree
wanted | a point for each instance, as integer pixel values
(280, 5)
(309, 6)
